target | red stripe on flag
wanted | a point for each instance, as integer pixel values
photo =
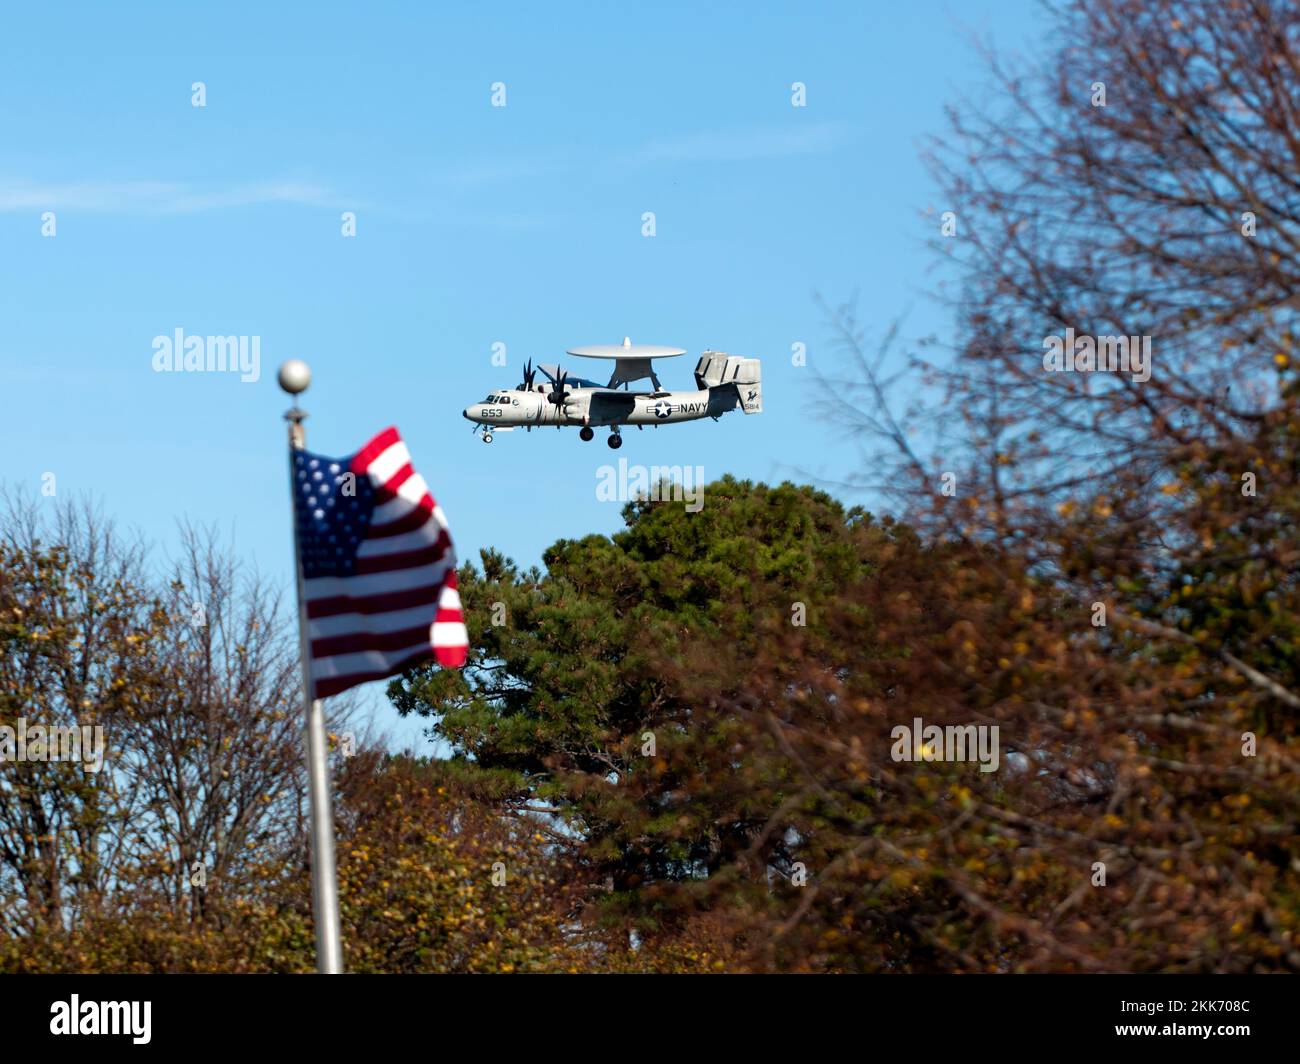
(369, 605)
(332, 685)
(387, 491)
(410, 559)
(357, 643)
(417, 518)
(453, 656)
(372, 450)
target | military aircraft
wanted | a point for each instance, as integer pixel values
(724, 382)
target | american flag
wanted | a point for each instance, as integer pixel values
(379, 571)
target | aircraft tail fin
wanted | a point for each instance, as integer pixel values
(719, 370)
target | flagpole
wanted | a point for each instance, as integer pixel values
(294, 378)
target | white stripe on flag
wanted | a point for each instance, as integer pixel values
(421, 537)
(323, 587)
(349, 623)
(408, 497)
(389, 462)
(367, 661)
(449, 634)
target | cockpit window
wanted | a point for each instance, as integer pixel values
(490, 399)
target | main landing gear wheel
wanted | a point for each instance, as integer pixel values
(586, 433)
(487, 437)
(615, 441)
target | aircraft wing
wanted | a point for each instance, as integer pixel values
(551, 372)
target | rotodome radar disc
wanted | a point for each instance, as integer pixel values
(626, 349)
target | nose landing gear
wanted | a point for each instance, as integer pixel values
(487, 437)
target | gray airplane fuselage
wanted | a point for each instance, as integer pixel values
(512, 408)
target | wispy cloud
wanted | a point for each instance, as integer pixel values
(157, 197)
(719, 146)
(743, 145)
(177, 197)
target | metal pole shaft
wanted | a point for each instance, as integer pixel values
(324, 885)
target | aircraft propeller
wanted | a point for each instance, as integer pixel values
(559, 393)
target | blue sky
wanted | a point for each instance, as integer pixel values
(475, 225)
